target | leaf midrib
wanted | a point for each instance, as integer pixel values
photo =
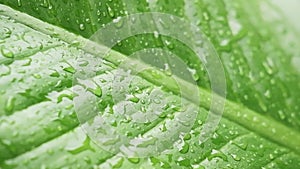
(286, 136)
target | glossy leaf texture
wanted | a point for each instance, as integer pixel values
(39, 128)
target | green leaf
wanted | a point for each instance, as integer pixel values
(39, 129)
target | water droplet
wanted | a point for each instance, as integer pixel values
(118, 22)
(45, 4)
(118, 164)
(134, 160)
(169, 44)
(19, 3)
(9, 106)
(83, 63)
(110, 11)
(217, 154)
(167, 70)
(281, 114)
(82, 26)
(206, 16)
(54, 74)
(6, 52)
(156, 34)
(69, 96)
(242, 145)
(37, 76)
(70, 69)
(187, 136)
(134, 99)
(235, 157)
(185, 148)
(4, 70)
(97, 91)
(28, 62)
(267, 94)
(7, 33)
(85, 146)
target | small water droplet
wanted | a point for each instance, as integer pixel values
(281, 114)
(185, 148)
(19, 3)
(118, 164)
(45, 4)
(134, 99)
(37, 76)
(54, 74)
(70, 69)
(97, 91)
(9, 106)
(4, 70)
(134, 160)
(82, 27)
(235, 157)
(6, 52)
(110, 11)
(169, 44)
(217, 154)
(156, 34)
